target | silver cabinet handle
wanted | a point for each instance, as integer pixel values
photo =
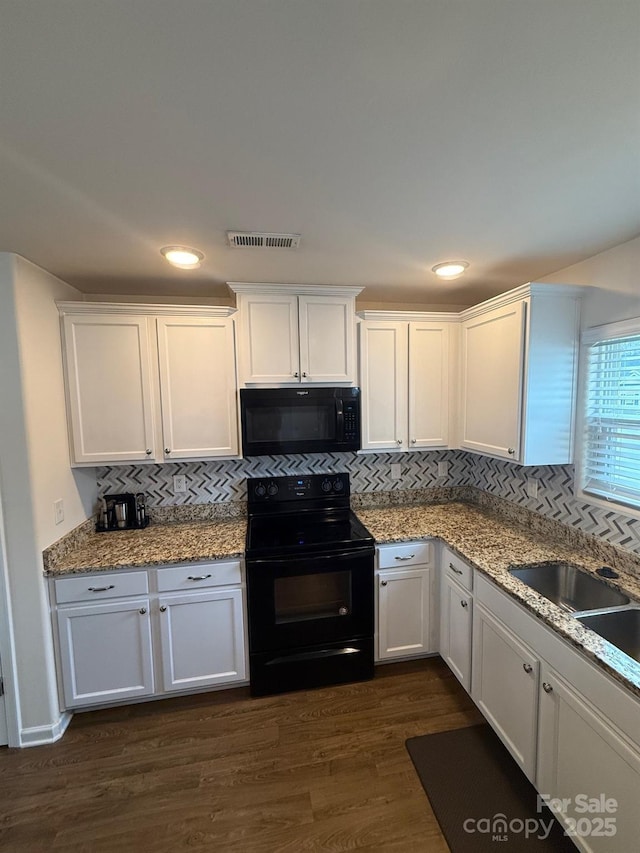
(464, 603)
(198, 577)
(408, 557)
(453, 569)
(547, 687)
(163, 607)
(304, 374)
(148, 451)
(101, 588)
(383, 583)
(511, 451)
(142, 611)
(527, 667)
(414, 441)
(167, 450)
(398, 441)
(296, 375)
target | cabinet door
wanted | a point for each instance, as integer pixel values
(269, 346)
(327, 335)
(404, 613)
(202, 639)
(384, 385)
(198, 387)
(428, 385)
(581, 756)
(455, 631)
(505, 686)
(108, 387)
(105, 652)
(492, 381)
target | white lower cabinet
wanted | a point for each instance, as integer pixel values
(456, 615)
(590, 772)
(109, 649)
(574, 731)
(202, 639)
(404, 600)
(505, 687)
(105, 652)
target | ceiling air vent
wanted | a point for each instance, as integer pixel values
(262, 240)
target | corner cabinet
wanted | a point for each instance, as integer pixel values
(292, 334)
(518, 375)
(149, 383)
(140, 634)
(406, 373)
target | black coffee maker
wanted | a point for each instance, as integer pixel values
(122, 512)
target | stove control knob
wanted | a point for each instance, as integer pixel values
(272, 489)
(260, 490)
(338, 485)
(326, 485)
(343, 611)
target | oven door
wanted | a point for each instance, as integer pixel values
(303, 601)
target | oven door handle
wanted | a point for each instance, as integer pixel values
(321, 653)
(307, 558)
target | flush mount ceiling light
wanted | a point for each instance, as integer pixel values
(450, 269)
(182, 257)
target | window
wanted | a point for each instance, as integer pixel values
(611, 437)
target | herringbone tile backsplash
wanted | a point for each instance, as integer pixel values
(225, 481)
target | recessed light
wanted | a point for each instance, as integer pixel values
(450, 269)
(182, 257)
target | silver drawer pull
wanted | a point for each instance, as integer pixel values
(464, 603)
(198, 577)
(547, 687)
(527, 668)
(101, 588)
(408, 557)
(453, 569)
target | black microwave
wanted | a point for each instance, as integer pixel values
(299, 420)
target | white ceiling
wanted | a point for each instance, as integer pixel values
(392, 134)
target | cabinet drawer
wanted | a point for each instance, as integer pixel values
(97, 587)
(406, 554)
(199, 576)
(457, 569)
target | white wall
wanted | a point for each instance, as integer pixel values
(34, 470)
(614, 277)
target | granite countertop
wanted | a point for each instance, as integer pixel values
(158, 544)
(492, 545)
(486, 541)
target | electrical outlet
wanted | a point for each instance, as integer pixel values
(443, 469)
(396, 470)
(58, 511)
(532, 487)
(179, 484)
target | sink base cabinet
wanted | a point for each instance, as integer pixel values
(505, 687)
(115, 646)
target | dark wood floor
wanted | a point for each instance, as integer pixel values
(310, 771)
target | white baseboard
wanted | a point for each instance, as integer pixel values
(40, 735)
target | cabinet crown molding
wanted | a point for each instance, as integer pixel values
(532, 289)
(145, 308)
(293, 289)
(409, 316)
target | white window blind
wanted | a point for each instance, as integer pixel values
(611, 455)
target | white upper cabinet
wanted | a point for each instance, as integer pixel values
(108, 374)
(290, 334)
(198, 387)
(149, 382)
(518, 375)
(405, 374)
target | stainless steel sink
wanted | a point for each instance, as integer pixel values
(619, 627)
(569, 587)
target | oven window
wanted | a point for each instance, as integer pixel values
(315, 596)
(290, 423)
